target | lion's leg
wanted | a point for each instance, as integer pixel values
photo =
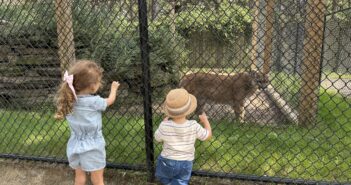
(242, 114)
(239, 112)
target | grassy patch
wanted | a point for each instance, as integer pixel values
(38, 134)
(319, 152)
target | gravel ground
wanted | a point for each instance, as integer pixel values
(16, 172)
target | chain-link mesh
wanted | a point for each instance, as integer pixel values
(273, 77)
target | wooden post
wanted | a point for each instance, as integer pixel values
(254, 41)
(65, 38)
(267, 57)
(311, 65)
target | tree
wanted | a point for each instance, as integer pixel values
(311, 62)
(267, 58)
(255, 35)
(66, 50)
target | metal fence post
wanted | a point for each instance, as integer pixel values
(143, 27)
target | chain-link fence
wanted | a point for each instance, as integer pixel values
(274, 78)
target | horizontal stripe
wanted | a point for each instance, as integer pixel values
(172, 133)
(179, 151)
(180, 110)
(177, 134)
(181, 144)
(175, 125)
(179, 139)
(204, 136)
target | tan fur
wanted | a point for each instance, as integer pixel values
(223, 89)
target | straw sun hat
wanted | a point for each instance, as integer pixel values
(179, 103)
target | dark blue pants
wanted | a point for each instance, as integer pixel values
(173, 172)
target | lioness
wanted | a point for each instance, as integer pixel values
(224, 89)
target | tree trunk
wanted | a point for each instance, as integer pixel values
(311, 62)
(296, 51)
(254, 40)
(267, 58)
(63, 14)
(279, 30)
(338, 38)
(339, 45)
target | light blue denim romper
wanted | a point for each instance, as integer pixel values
(86, 146)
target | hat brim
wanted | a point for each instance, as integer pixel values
(191, 109)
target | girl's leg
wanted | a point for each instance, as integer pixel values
(80, 178)
(97, 177)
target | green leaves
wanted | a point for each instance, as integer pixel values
(227, 22)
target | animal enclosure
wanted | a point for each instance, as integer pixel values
(296, 128)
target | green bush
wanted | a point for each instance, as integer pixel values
(227, 22)
(103, 34)
(116, 45)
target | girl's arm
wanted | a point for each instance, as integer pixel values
(113, 93)
(206, 124)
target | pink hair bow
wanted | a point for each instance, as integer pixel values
(69, 79)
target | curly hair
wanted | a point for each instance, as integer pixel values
(85, 73)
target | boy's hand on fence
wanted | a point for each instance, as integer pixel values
(115, 86)
(203, 118)
(204, 121)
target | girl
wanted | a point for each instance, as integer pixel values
(178, 135)
(82, 109)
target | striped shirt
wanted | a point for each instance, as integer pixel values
(179, 139)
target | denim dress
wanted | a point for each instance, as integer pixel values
(86, 145)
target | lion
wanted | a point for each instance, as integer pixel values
(224, 89)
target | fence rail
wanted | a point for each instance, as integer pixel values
(287, 63)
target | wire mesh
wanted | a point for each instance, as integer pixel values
(273, 77)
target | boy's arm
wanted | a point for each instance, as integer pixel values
(206, 124)
(158, 135)
(113, 93)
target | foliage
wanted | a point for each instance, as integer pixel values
(28, 24)
(121, 57)
(115, 44)
(103, 34)
(227, 22)
(339, 10)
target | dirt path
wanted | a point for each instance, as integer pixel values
(342, 85)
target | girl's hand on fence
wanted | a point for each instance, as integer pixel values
(166, 118)
(112, 97)
(114, 86)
